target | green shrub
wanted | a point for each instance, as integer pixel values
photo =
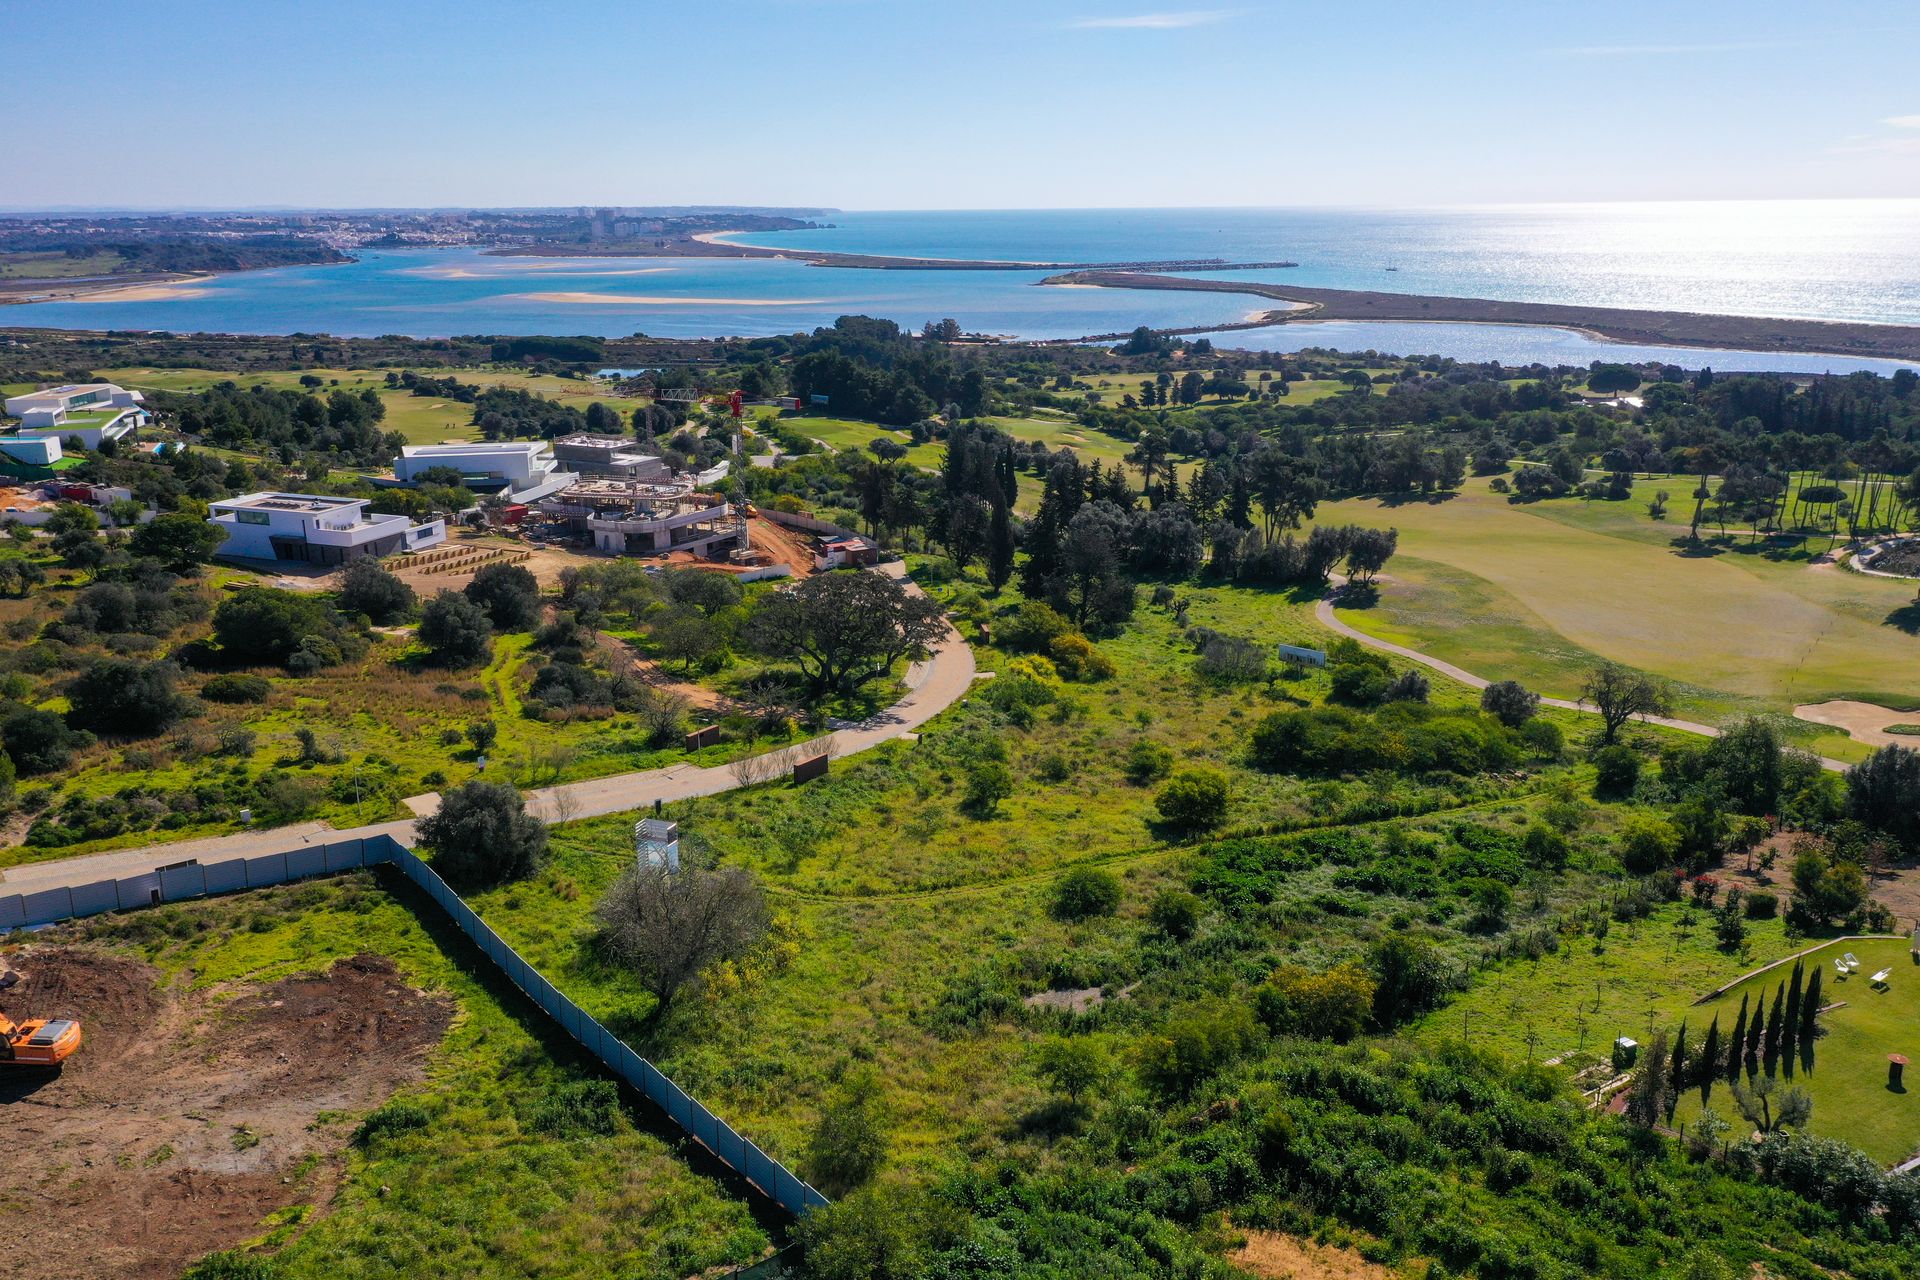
(1148, 761)
(237, 688)
(1333, 1005)
(1194, 799)
(231, 1264)
(1647, 843)
(1085, 892)
(1407, 736)
(849, 1143)
(988, 783)
(1193, 1045)
(397, 1116)
(1175, 914)
(1616, 771)
(575, 1109)
(1761, 905)
(1032, 628)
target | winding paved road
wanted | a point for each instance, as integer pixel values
(932, 687)
(1324, 612)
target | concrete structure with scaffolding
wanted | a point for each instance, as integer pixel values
(637, 517)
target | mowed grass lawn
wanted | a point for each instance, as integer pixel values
(421, 419)
(1539, 591)
(1848, 1082)
(1642, 975)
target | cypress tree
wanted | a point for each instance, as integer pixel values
(1677, 1070)
(999, 545)
(1790, 1024)
(1709, 1059)
(1770, 1043)
(1755, 1028)
(1809, 1024)
(1737, 1045)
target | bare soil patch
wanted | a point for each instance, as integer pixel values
(186, 1117)
(1280, 1256)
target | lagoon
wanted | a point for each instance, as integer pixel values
(1839, 260)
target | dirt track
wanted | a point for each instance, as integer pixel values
(184, 1118)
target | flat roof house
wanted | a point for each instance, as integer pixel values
(610, 456)
(88, 411)
(315, 529)
(524, 469)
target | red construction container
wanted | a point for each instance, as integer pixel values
(513, 513)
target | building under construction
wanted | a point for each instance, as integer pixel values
(645, 518)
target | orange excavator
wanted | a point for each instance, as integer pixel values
(35, 1042)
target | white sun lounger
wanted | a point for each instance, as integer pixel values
(1853, 961)
(1840, 967)
(1879, 979)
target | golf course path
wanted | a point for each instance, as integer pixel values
(932, 686)
(1324, 612)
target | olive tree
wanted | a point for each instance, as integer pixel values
(670, 927)
(1619, 694)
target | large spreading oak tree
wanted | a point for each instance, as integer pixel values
(845, 628)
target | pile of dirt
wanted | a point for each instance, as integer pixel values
(184, 1118)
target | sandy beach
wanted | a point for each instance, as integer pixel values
(148, 290)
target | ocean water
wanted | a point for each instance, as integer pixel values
(1838, 260)
(1821, 259)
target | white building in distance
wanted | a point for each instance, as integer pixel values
(87, 411)
(525, 470)
(315, 529)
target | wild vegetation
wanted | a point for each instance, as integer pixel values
(1152, 939)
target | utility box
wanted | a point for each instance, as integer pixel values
(704, 736)
(1625, 1052)
(808, 770)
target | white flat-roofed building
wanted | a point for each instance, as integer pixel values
(315, 529)
(87, 411)
(513, 465)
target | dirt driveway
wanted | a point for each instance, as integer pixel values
(184, 1118)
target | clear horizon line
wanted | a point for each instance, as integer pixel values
(763, 209)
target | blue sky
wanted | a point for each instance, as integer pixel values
(900, 104)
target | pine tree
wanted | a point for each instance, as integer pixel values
(1709, 1059)
(1738, 1045)
(999, 545)
(1240, 499)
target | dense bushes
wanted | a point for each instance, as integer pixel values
(123, 697)
(237, 688)
(1405, 736)
(260, 626)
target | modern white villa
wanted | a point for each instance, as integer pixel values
(87, 411)
(525, 470)
(315, 529)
